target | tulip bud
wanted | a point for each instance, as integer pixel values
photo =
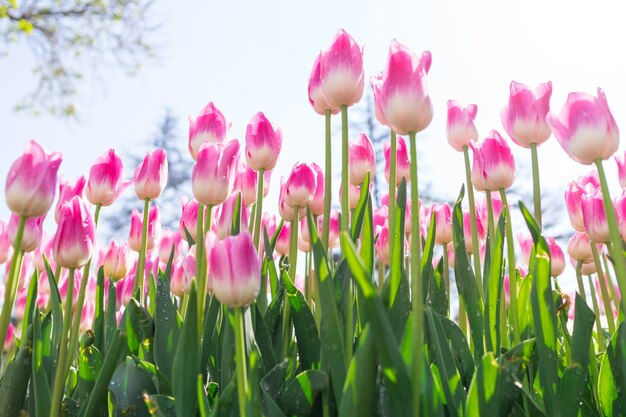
(287, 212)
(585, 128)
(382, 245)
(362, 159)
(594, 217)
(116, 261)
(234, 270)
(443, 225)
(354, 194)
(212, 175)
(189, 219)
(246, 183)
(209, 127)
(317, 99)
(621, 169)
(282, 241)
(263, 143)
(300, 186)
(169, 240)
(67, 190)
(586, 184)
(403, 163)
(380, 217)
(151, 175)
(333, 228)
(524, 118)
(75, 236)
(494, 164)
(225, 216)
(183, 272)
(105, 182)
(557, 258)
(317, 203)
(33, 231)
(401, 92)
(579, 248)
(136, 229)
(31, 182)
(341, 71)
(461, 129)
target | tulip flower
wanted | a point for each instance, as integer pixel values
(263, 143)
(151, 175)
(333, 229)
(183, 273)
(116, 261)
(460, 128)
(300, 185)
(285, 211)
(5, 243)
(33, 231)
(105, 183)
(403, 167)
(136, 228)
(585, 128)
(67, 190)
(234, 270)
(282, 241)
(189, 219)
(524, 118)
(317, 98)
(246, 181)
(382, 245)
(212, 175)
(317, 202)
(494, 165)
(353, 196)
(75, 235)
(341, 71)
(579, 248)
(620, 210)
(31, 181)
(482, 233)
(594, 217)
(621, 169)
(225, 216)
(169, 240)
(586, 184)
(557, 258)
(362, 159)
(209, 127)
(401, 92)
(526, 243)
(9, 339)
(380, 217)
(443, 223)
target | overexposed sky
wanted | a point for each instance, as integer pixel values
(252, 56)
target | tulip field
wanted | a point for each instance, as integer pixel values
(319, 307)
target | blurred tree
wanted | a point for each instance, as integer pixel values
(69, 37)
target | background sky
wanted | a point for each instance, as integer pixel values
(256, 56)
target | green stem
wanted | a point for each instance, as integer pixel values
(491, 231)
(606, 300)
(416, 280)
(446, 274)
(293, 259)
(579, 279)
(393, 163)
(10, 289)
(609, 280)
(381, 276)
(616, 239)
(345, 186)
(512, 272)
(259, 209)
(536, 183)
(472, 209)
(141, 262)
(202, 282)
(596, 310)
(328, 175)
(60, 375)
(242, 377)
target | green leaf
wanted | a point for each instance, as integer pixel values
(236, 221)
(438, 297)
(31, 298)
(128, 385)
(89, 365)
(367, 238)
(41, 378)
(98, 318)
(111, 317)
(462, 353)
(397, 262)
(152, 294)
(139, 325)
(611, 379)
(268, 259)
(483, 398)
(160, 405)
(166, 327)
(254, 406)
(494, 275)
(301, 392)
(306, 331)
(210, 334)
(361, 209)
(263, 340)
(271, 386)
(57, 311)
(359, 392)
(203, 401)
(524, 306)
(428, 272)
(187, 360)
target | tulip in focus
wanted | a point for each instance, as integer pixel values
(213, 174)
(300, 185)
(209, 127)
(341, 71)
(362, 159)
(403, 163)
(31, 181)
(75, 236)
(234, 270)
(67, 190)
(33, 231)
(524, 118)
(585, 128)
(136, 224)
(263, 143)
(105, 183)
(287, 212)
(282, 241)
(460, 128)
(189, 219)
(494, 164)
(116, 261)
(594, 217)
(317, 98)
(151, 175)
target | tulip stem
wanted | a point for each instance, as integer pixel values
(609, 280)
(328, 178)
(416, 280)
(81, 301)
(446, 274)
(11, 285)
(616, 239)
(141, 262)
(472, 209)
(204, 225)
(596, 310)
(606, 300)
(579, 278)
(512, 271)
(60, 375)
(393, 158)
(345, 186)
(258, 209)
(536, 183)
(242, 378)
(293, 258)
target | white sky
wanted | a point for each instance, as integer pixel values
(251, 56)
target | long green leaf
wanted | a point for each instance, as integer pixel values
(306, 331)
(40, 381)
(14, 383)
(495, 280)
(166, 327)
(359, 393)
(361, 209)
(610, 381)
(428, 272)
(98, 318)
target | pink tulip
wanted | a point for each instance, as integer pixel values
(461, 129)
(67, 190)
(381, 216)
(189, 219)
(10, 338)
(526, 243)
(341, 71)
(362, 159)
(124, 289)
(317, 98)
(382, 245)
(300, 185)
(209, 127)
(136, 229)
(151, 175)
(5, 243)
(225, 216)
(317, 202)
(333, 231)
(524, 118)
(234, 270)
(246, 183)
(621, 169)
(31, 182)
(282, 241)
(76, 233)
(213, 173)
(557, 258)
(86, 316)
(401, 92)
(105, 183)
(268, 223)
(585, 128)
(183, 272)
(620, 210)
(303, 245)
(116, 261)
(496, 205)
(353, 195)
(263, 143)
(287, 212)
(587, 268)
(443, 225)
(494, 164)
(594, 217)
(169, 240)
(44, 248)
(467, 230)
(304, 234)
(586, 184)
(33, 231)
(403, 163)
(579, 248)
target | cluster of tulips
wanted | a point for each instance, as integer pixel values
(201, 320)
